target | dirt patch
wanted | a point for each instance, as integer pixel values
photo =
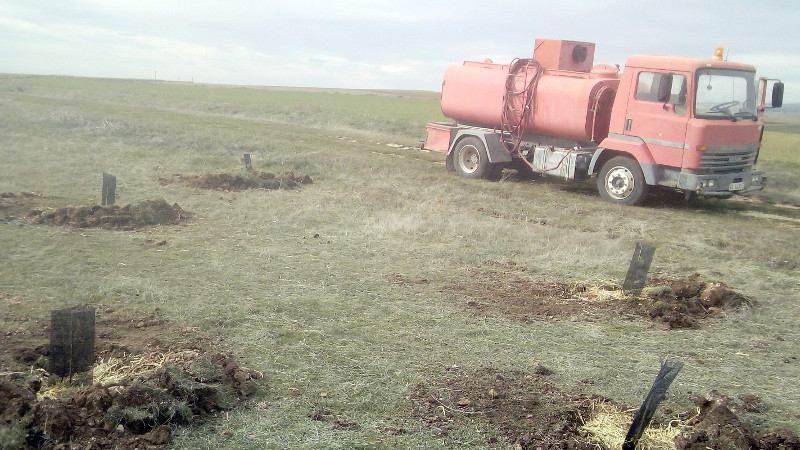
(525, 408)
(128, 217)
(527, 411)
(150, 377)
(337, 422)
(23, 205)
(506, 289)
(399, 279)
(229, 182)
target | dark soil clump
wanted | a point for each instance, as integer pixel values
(686, 303)
(128, 217)
(252, 180)
(718, 426)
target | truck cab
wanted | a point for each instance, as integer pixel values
(693, 125)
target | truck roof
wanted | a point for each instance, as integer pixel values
(683, 64)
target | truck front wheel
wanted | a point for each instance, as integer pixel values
(472, 161)
(621, 181)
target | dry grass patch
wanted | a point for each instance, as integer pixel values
(239, 182)
(609, 424)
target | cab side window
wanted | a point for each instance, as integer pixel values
(648, 86)
(677, 96)
(649, 89)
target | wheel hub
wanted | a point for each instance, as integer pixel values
(469, 159)
(620, 182)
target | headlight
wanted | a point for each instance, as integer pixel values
(708, 184)
(756, 179)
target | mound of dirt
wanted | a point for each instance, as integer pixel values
(128, 217)
(504, 289)
(718, 426)
(528, 411)
(685, 303)
(252, 180)
(139, 395)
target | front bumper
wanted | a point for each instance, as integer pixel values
(722, 184)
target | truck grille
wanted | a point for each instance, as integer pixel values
(728, 159)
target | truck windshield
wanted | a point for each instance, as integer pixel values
(725, 93)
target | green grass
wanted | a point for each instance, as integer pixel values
(322, 315)
(386, 112)
(779, 159)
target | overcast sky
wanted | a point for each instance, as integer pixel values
(378, 43)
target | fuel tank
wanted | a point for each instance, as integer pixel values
(566, 104)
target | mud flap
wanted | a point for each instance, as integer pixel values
(496, 149)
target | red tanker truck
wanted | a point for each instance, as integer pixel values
(691, 125)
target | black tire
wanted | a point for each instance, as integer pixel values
(471, 160)
(621, 181)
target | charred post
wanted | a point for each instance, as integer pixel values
(669, 370)
(72, 334)
(639, 267)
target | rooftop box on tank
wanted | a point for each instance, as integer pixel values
(564, 55)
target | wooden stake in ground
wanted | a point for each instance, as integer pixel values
(72, 341)
(109, 189)
(247, 164)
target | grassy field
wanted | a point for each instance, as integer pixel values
(304, 285)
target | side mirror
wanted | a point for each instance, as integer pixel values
(777, 95)
(665, 88)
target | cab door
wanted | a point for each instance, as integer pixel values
(657, 114)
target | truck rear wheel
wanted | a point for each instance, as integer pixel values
(472, 161)
(621, 181)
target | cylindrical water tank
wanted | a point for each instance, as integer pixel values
(569, 105)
